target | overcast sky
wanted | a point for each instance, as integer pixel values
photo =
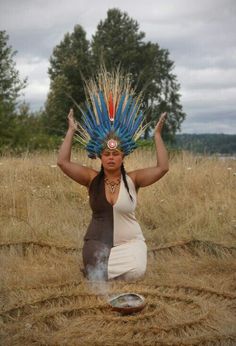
(200, 36)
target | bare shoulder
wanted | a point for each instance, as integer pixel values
(81, 174)
(147, 176)
(132, 176)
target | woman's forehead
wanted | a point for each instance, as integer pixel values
(105, 151)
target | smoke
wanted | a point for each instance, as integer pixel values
(97, 274)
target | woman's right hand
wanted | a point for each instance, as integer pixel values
(160, 123)
(72, 123)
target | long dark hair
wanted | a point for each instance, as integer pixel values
(123, 172)
(100, 176)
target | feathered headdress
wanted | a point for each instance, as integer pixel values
(112, 117)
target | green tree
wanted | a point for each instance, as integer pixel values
(29, 131)
(118, 41)
(20, 129)
(69, 64)
(10, 89)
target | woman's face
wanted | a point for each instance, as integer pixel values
(112, 159)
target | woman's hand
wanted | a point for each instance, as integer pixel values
(160, 123)
(72, 123)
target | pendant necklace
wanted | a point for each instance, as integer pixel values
(111, 184)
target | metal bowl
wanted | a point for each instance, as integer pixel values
(127, 303)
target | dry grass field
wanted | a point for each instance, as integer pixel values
(189, 222)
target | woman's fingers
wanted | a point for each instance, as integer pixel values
(163, 116)
(72, 121)
(71, 113)
(160, 122)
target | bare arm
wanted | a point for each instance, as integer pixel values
(148, 176)
(82, 175)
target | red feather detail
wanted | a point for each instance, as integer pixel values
(111, 107)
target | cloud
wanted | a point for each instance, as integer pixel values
(199, 36)
(208, 127)
(38, 81)
(210, 122)
(207, 78)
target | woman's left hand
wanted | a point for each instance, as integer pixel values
(160, 123)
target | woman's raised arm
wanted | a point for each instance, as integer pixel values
(147, 176)
(82, 175)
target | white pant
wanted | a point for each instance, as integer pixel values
(128, 259)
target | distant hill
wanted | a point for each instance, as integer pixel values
(207, 143)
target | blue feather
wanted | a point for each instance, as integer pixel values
(106, 119)
(104, 106)
(97, 108)
(88, 122)
(92, 116)
(119, 109)
(137, 123)
(132, 114)
(86, 125)
(99, 112)
(124, 114)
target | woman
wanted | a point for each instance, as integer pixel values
(114, 246)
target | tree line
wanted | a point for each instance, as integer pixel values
(117, 41)
(207, 143)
